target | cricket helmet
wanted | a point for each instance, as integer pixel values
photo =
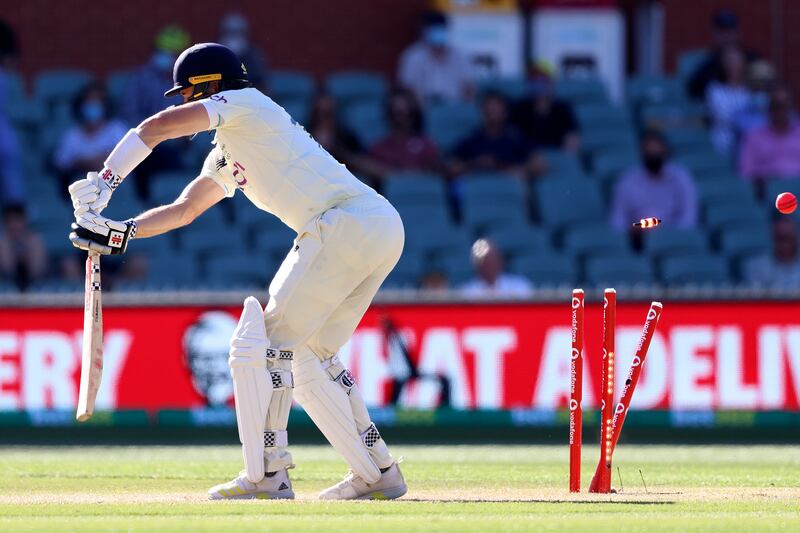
(203, 63)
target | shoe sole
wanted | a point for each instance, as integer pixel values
(386, 494)
(257, 496)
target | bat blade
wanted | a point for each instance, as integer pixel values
(92, 354)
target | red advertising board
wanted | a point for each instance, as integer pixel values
(703, 356)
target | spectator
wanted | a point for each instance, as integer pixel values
(84, 146)
(405, 147)
(144, 96)
(656, 188)
(434, 280)
(432, 69)
(491, 279)
(781, 269)
(773, 150)
(725, 27)
(547, 121)
(760, 81)
(327, 130)
(234, 32)
(22, 253)
(726, 99)
(496, 144)
(12, 189)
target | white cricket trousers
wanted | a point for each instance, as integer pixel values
(328, 279)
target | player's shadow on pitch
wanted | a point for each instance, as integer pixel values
(541, 500)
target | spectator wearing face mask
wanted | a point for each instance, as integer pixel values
(23, 258)
(234, 32)
(727, 98)
(546, 120)
(144, 97)
(85, 145)
(773, 150)
(432, 69)
(655, 188)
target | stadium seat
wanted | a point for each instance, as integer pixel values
(603, 117)
(595, 240)
(274, 240)
(699, 269)
(240, 269)
(456, 266)
(738, 242)
(6, 287)
(619, 270)
(50, 286)
(684, 141)
(689, 61)
(483, 216)
(166, 186)
(514, 89)
(448, 124)
(563, 202)
(116, 84)
(21, 110)
(351, 86)
(415, 188)
(173, 270)
(776, 186)
(663, 241)
(608, 167)
(210, 240)
(299, 108)
(672, 114)
(59, 85)
(491, 187)
(367, 121)
(719, 191)
(519, 239)
(408, 270)
(213, 218)
(286, 84)
(705, 165)
(598, 141)
(654, 90)
(724, 216)
(581, 91)
(545, 269)
(561, 163)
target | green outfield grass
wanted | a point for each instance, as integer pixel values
(486, 488)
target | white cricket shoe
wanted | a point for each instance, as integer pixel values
(277, 487)
(390, 486)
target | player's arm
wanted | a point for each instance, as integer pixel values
(94, 232)
(172, 123)
(196, 198)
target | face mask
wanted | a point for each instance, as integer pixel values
(436, 36)
(163, 60)
(92, 112)
(237, 43)
(654, 163)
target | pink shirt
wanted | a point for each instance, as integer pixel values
(767, 153)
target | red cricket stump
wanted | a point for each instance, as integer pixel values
(653, 315)
(602, 482)
(576, 392)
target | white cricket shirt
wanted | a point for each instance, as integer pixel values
(263, 152)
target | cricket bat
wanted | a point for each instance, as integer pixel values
(92, 355)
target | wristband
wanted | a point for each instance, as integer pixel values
(126, 156)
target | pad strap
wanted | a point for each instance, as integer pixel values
(282, 379)
(285, 355)
(276, 439)
(339, 374)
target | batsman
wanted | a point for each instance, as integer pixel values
(348, 240)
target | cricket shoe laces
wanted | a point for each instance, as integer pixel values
(271, 487)
(390, 486)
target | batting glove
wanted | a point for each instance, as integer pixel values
(95, 233)
(93, 192)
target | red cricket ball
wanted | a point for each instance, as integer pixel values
(786, 203)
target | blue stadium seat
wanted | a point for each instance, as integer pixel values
(776, 186)
(59, 286)
(561, 163)
(689, 61)
(595, 240)
(520, 239)
(166, 186)
(672, 114)
(738, 242)
(512, 88)
(59, 85)
(545, 269)
(21, 110)
(599, 141)
(491, 187)
(456, 266)
(351, 86)
(619, 270)
(448, 124)
(483, 216)
(664, 241)
(367, 121)
(286, 84)
(56, 240)
(698, 269)
(248, 268)
(116, 84)
(720, 191)
(275, 241)
(654, 90)
(684, 141)
(561, 203)
(408, 270)
(705, 165)
(212, 219)
(603, 117)
(608, 167)
(415, 188)
(581, 91)
(298, 108)
(173, 270)
(6, 287)
(210, 240)
(724, 216)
